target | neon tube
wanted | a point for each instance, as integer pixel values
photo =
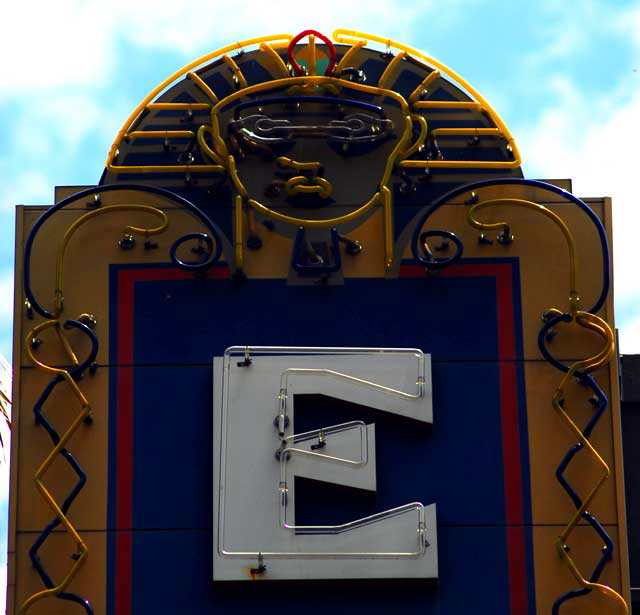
(351, 36)
(307, 185)
(349, 55)
(173, 106)
(128, 230)
(209, 93)
(390, 68)
(155, 134)
(387, 209)
(235, 69)
(239, 239)
(286, 163)
(426, 82)
(184, 70)
(276, 60)
(574, 297)
(82, 549)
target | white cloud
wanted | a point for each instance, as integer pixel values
(76, 42)
(6, 318)
(627, 22)
(3, 583)
(47, 141)
(6, 296)
(568, 28)
(52, 43)
(630, 337)
(51, 132)
(166, 25)
(28, 186)
(594, 142)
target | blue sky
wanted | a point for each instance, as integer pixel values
(565, 76)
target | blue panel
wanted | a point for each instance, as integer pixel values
(172, 459)
(218, 84)
(254, 72)
(172, 574)
(190, 321)
(406, 83)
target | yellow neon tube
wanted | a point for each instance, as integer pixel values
(350, 40)
(342, 35)
(313, 59)
(446, 104)
(388, 226)
(300, 183)
(457, 164)
(239, 240)
(169, 106)
(276, 215)
(235, 69)
(390, 68)
(275, 58)
(396, 153)
(154, 134)
(194, 168)
(82, 549)
(206, 90)
(574, 297)
(233, 173)
(218, 141)
(65, 342)
(286, 163)
(296, 89)
(204, 146)
(594, 323)
(421, 137)
(128, 230)
(491, 132)
(426, 82)
(33, 332)
(318, 80)
(185, 69)
(349, 55)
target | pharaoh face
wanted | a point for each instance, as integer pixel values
(302, 142)
(303, 150)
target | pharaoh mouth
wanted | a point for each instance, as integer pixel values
(301, 184)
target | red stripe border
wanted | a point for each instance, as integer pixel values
(127, 279)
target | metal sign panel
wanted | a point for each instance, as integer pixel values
(258, 453)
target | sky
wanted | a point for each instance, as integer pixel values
(565, 77)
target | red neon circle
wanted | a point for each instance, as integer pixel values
(297, 69)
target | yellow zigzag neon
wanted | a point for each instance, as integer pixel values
(590, 322)
(85, 408)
